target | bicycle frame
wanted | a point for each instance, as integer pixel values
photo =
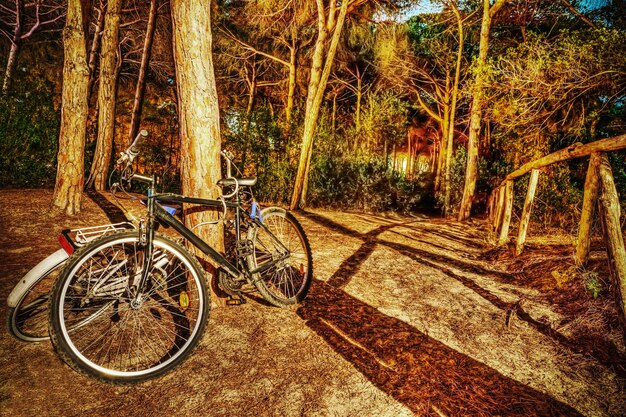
(157, 213)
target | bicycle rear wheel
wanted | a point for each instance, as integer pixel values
(28, 319)
(132, 340)
(282, 257)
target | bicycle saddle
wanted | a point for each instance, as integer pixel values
(243, 182)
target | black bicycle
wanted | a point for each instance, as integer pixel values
(141, 298)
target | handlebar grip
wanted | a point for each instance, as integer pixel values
(133, 149)
(226, 154)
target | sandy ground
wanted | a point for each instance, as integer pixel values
(405, 317)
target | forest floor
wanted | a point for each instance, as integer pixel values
(406, 316)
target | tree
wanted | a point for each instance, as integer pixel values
(569, 86)
(106, 97)
(329, 25)
(471, 170)
(198, 110)
(424, 60)
(26, 19)
(141, 80)
(271, 31)
(68, 189)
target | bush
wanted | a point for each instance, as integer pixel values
(29, 128)
(364, 184)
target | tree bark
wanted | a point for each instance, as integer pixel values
(528, 204)
(93, 52)
(320, 71)
(359, 97)
(586, 217)
(68, 190)
(443, 143)
(453, 101)
(143, 69)
(199, 112)
(291, 89)
(16, 42)
(609, 204)
(106, 97)
(471, 171)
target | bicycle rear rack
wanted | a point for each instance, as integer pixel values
(71, 239)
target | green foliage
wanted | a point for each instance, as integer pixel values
(592, 283)
(364, 184)
(263, 151)
(457, 179)
(29, 128)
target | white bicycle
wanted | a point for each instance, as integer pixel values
(27, 315)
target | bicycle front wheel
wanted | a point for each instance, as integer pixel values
(281, 258)
(136, 338)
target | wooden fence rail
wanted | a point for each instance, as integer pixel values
(599, 190)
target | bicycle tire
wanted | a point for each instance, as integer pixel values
(130, 343)
(27, 314)
(287, 282)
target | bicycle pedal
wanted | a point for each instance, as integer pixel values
(235, 301)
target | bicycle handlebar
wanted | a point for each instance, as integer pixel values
(226, 154)
(133, 150)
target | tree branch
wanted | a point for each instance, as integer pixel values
(578, 14)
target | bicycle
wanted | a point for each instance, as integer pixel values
(27, 304)
(27, 313)
(154, 290)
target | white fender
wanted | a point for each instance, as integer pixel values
(41, 269)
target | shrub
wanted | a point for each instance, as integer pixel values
(29, 128)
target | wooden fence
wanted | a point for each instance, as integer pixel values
(599, 189)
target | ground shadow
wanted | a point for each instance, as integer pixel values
(415, 369)
(113, 212)
(605, 353)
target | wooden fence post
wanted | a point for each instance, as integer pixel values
(589, 202)
(528, 204)
(508, 209)
(609, 204)
(490, 205)
(497, 220)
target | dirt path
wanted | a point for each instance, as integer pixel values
(403, 318)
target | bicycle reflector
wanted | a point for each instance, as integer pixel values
(66, 243)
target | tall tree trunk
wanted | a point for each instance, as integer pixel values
(93, 52)
(471, 171)
(68, 190)
(141, 79)
(444, 110)
(198, 110)
(252, 87)
(106, 97)
(455, 94)
(359, 97)
(320, 71)
(291, 89)
(16, 42)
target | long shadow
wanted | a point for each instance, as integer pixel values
(113, 212)
(348, 267)
(434, 256)
(427, 376)
(604, 352)
(455, 235)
